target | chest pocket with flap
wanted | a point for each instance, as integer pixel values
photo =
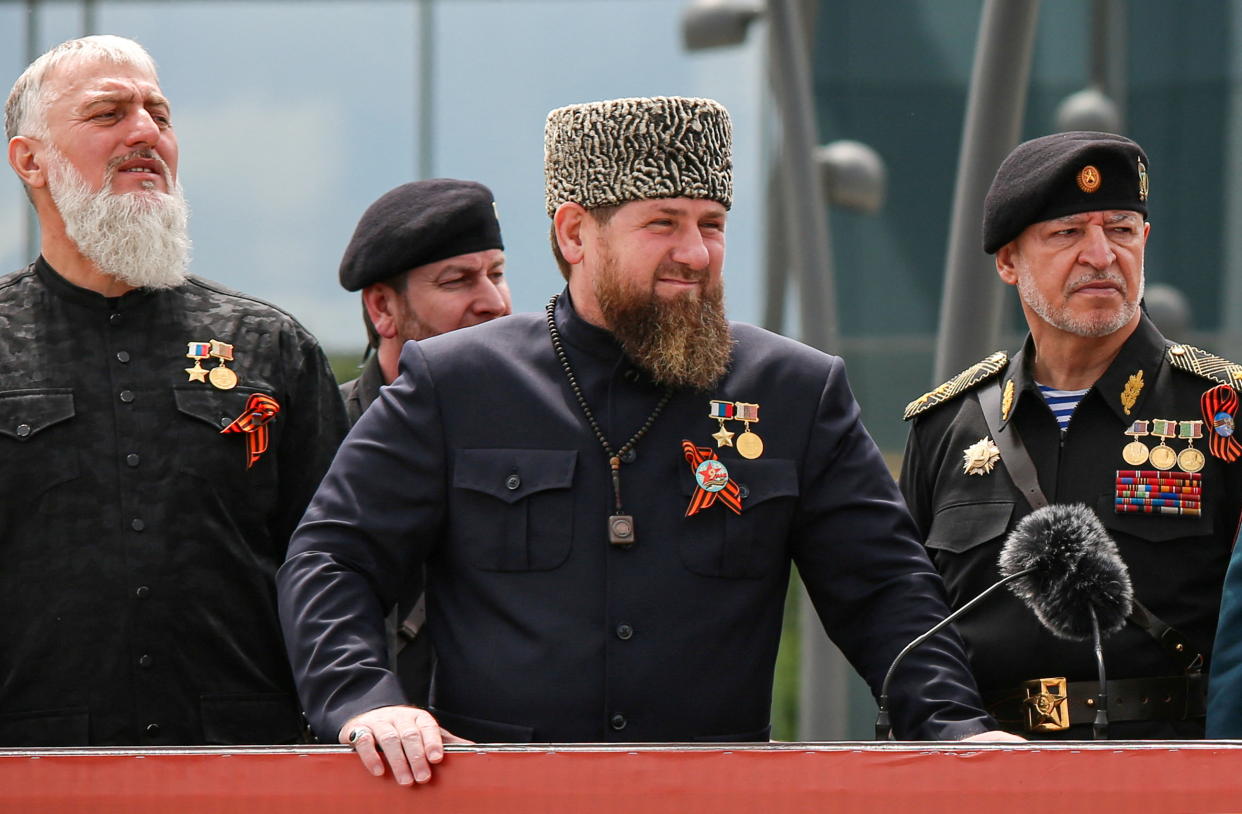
(514, 507)
(719, 543)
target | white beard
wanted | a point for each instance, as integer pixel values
(140, 238)
(1063, 319)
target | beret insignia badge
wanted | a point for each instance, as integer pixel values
(1089, 179)
(980, 457)
(1143, 182)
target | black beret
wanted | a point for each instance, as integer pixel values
(1063, 174)
(416, 224)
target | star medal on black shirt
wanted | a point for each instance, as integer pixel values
(1135, 453)
(749, 445)
(722, 411)
(1190, 459)
(198, 351)
(980, 457)
(1163, 456)
(220, 376)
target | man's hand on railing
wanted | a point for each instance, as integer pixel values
(996, 736)
(408, 737)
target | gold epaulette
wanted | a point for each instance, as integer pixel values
(1208, 365)
(968, 378)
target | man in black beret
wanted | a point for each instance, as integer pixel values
(1097, 408)
(429, 259)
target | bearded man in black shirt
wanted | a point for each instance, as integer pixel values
(160, 436)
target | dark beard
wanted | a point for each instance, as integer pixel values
(680, 342)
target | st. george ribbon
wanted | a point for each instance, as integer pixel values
(1061, 562)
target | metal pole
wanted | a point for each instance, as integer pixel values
(807, 218)
(970, 311)
(426, 88)
(804, 248)
(32, 53)
(1108, 53)
(776, 259)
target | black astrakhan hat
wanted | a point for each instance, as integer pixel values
(1063, 174)
(416, 224)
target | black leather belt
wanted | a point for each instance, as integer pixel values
(1053, 704)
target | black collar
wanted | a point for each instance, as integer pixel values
(66, 290)
(1141, 355)
(584, 336)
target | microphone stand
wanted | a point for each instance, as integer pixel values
(883, 726)
(1099, 727)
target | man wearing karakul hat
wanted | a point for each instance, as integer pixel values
(609, 496)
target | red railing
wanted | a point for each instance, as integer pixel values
(1155, 776)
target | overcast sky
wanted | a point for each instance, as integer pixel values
(294, 117)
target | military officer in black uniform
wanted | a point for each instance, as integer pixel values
(1111, 415)
(160, 436)
(428, 259)
(608, 496)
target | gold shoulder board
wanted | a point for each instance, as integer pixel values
(1208, 365)
(968, 378)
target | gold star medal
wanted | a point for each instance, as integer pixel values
(980, 457)
(198, 351)
(220, 376)
(1163, 456)
(1190, 459)
(749, 445)
(1135, 453)
(722, 411)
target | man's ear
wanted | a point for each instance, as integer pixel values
(568, 221)
(380, 301)
(1005, 268)
(25, 162)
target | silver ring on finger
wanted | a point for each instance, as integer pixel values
(357, 733)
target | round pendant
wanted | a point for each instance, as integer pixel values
(749, 445)
(712, 476)
(1222, 424)
(222, 378)
(1190, 460)
(1163, 457)
(1135, 453)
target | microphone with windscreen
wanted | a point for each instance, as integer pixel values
(1061, 562)
(1067, 570)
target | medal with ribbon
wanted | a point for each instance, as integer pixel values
(1219, 405)
(198, 351)
(712, 478)
(260, 410)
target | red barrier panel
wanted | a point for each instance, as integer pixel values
(1130, 777)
